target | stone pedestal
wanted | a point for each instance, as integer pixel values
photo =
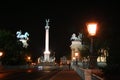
(76, 46)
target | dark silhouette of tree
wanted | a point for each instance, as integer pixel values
(113, 64)
(11, 47)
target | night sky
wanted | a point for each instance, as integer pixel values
(66, 18)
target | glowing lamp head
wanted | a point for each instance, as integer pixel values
(29, 57)
(92, 29)
(1, 53)
(73, 58)
(76, 54)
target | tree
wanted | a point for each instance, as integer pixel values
(11, 48)
(113, 64)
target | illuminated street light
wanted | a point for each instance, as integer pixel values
(1, 53)
(73, 58)
(28, 57)
(76, 56)
(92, 27)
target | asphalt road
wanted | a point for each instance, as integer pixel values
(28, 74)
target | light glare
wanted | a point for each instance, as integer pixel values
(92, 29)
(1, 53)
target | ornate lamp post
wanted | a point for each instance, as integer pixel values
(92, 27)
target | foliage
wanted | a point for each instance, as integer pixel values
(11, 47)
(113, 64)
(85, 51)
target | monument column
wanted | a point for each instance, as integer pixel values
(47, 52)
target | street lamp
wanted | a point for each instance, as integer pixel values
(92, 27)
(76, 56)
(28, 57)
(73, 58)
(1, 53)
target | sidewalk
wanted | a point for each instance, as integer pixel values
(66, 75)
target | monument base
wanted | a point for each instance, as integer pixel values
(47, 64)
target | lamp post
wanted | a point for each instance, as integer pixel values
(76, 56)
(92, 27)
(1, 53)
(28, 59)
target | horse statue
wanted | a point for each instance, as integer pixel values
(74, 37)
(21, 36)
(80, 36)
(24, 42)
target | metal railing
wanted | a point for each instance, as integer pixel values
(86, 74)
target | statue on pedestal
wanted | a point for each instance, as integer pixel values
(23, 38)
(74, 37)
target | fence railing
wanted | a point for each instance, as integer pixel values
(86, 74)
(95, 77)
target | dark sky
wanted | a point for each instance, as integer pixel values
(66, 18)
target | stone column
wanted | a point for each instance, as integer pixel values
(47, 52)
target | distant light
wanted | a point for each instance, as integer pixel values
(29, 57)
(76, 54)
(73, 58)
(1, 53)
